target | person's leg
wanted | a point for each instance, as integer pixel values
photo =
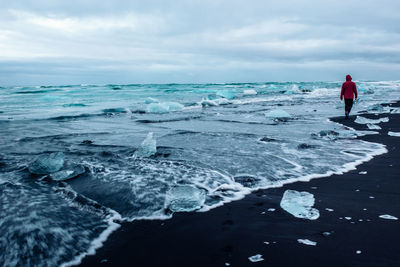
(346, 107)
(350, 105)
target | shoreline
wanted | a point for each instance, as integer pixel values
(237, 230)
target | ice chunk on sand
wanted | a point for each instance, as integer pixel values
(378, 109)
(47, 163)
(299, 204)
(307, 242)
(277, 113)
(388, 217)
(362, 120)
(373, 126)
(148, 147)
(256, 258)
(249, 92)
(185, 198)
(164, 107)
(394, 134)
(226, 94)
(69, 172)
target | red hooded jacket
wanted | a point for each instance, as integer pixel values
(348, 89)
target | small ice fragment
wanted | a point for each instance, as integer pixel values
(372, 197)
(271, 209)
(263, 212)
(357, 190)
(373, 126)
(347, 218)
(326, 233)
(266, 243)
(249, 92)
(299, 204)
(388, 217)
(314, 187)
(256, 258)
(328, 209)
(358, 251)
(150, 100)
(394, 134)
(148, 147)
(226, 94)
(307, 242)
(278, 113)
(362, 120)
(363, 172)
(185, 198)
(360, 220)
(227, 264)
(71, 171)
(364, 209)
(47, 163)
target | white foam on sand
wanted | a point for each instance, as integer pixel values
(97, 242)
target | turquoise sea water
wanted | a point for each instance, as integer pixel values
(215, 143)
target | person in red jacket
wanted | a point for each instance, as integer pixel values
(349, 90)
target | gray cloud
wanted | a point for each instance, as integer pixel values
(85, 41)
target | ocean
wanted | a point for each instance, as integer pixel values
(76, 160)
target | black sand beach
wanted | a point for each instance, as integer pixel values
(228, 235)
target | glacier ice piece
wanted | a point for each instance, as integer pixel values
(372, 126)
(395, 111)
(47, 163)
(256, 258)
(362, 120)
(68, 172)
(278, 114)
(185, 198)
(394, 134)
(388, 217)
(148, 147)
(249, 92)
(226, 94)
(214, 102)
(307, 242)
(208, 103)
(164, 107)
(150, 100)
(378, 108)
(299, 204)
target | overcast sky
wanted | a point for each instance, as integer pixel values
(162, 41)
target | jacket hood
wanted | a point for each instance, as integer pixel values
(348, 78)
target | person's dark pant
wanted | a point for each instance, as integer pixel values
(348, 104)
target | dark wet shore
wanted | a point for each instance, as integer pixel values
(228, 235)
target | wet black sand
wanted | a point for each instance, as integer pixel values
(235, 231)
